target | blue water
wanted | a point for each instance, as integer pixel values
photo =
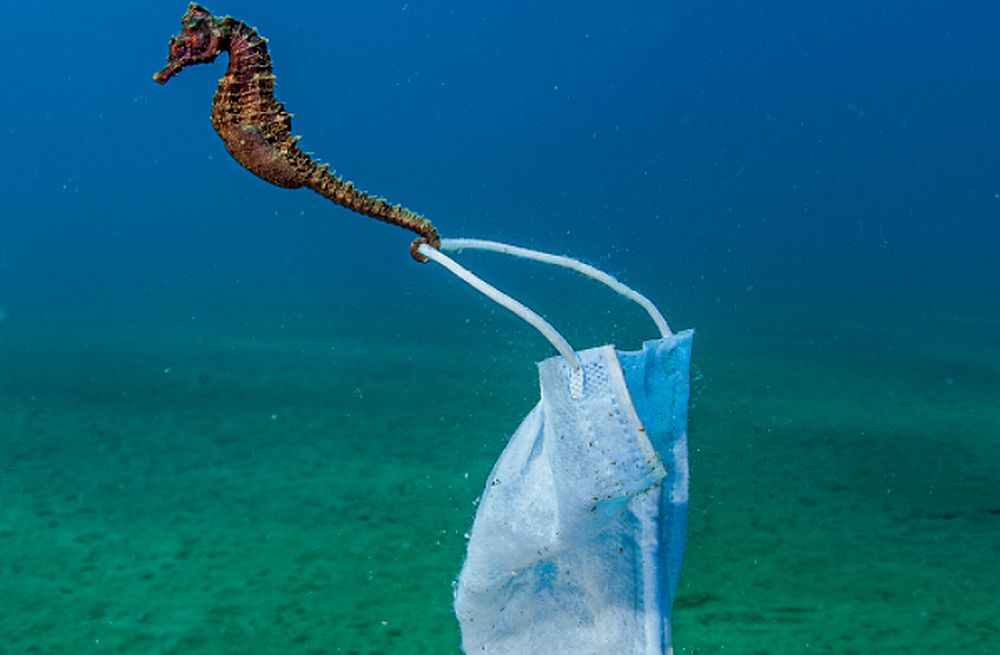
(814, 187)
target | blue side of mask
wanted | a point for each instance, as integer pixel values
(658, 378)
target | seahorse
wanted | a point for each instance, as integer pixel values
(255, 127)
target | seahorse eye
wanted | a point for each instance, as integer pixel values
(193, 46)
(196, 43)
(174, 46)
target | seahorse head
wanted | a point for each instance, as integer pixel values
(200, 41)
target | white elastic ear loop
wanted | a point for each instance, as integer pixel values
(504, 300)
(453, 245)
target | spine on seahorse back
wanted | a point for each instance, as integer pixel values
(255, 127)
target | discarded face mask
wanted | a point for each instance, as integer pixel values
(577, 543)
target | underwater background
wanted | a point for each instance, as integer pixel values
(240, 419)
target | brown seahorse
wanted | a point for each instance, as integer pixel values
(256, 128)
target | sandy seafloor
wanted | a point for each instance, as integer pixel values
(300, 483)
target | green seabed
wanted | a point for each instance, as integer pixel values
(302, 485)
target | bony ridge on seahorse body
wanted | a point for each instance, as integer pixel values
(256, 128)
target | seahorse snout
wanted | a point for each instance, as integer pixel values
(161, 76)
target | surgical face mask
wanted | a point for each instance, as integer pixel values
(577, 543)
